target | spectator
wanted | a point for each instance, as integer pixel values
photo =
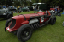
(18, 7)
(59, 14)
(4, 6)
(33, 7)
(55, 9)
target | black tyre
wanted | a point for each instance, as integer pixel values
(53, 20)
(24, 32)
(7, 23)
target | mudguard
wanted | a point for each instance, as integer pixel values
(7, 22)
(25, 22)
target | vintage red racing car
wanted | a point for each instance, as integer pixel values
(23, 24)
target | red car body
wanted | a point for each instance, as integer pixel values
(52, 9)
(19, 20)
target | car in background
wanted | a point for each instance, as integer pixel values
(5, 13)
(12, 8)
(41, 6)
(24, 9)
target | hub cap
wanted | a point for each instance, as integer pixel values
(25, 33)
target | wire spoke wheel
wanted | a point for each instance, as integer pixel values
(25, 33)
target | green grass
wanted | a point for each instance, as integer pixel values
(23, 13)
(47, 33)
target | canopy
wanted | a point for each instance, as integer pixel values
(37, 3)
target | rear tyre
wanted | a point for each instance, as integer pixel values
(53, 21)
(24, 32)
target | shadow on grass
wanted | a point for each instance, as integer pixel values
(41, 28)
(2, 19)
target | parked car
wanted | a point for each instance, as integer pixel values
(12, 8)
(24, 9)
(41, 6)
(5, 13)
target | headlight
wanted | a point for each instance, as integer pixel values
(4, 13)
(8, 29)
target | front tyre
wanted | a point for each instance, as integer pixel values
(7, 23)
(24, 32)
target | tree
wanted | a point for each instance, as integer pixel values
(2, 2)
(16, 3)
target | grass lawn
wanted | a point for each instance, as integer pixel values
(47, 33)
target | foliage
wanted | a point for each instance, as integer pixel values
(2, 2)
(26, 3)
(16, 3)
